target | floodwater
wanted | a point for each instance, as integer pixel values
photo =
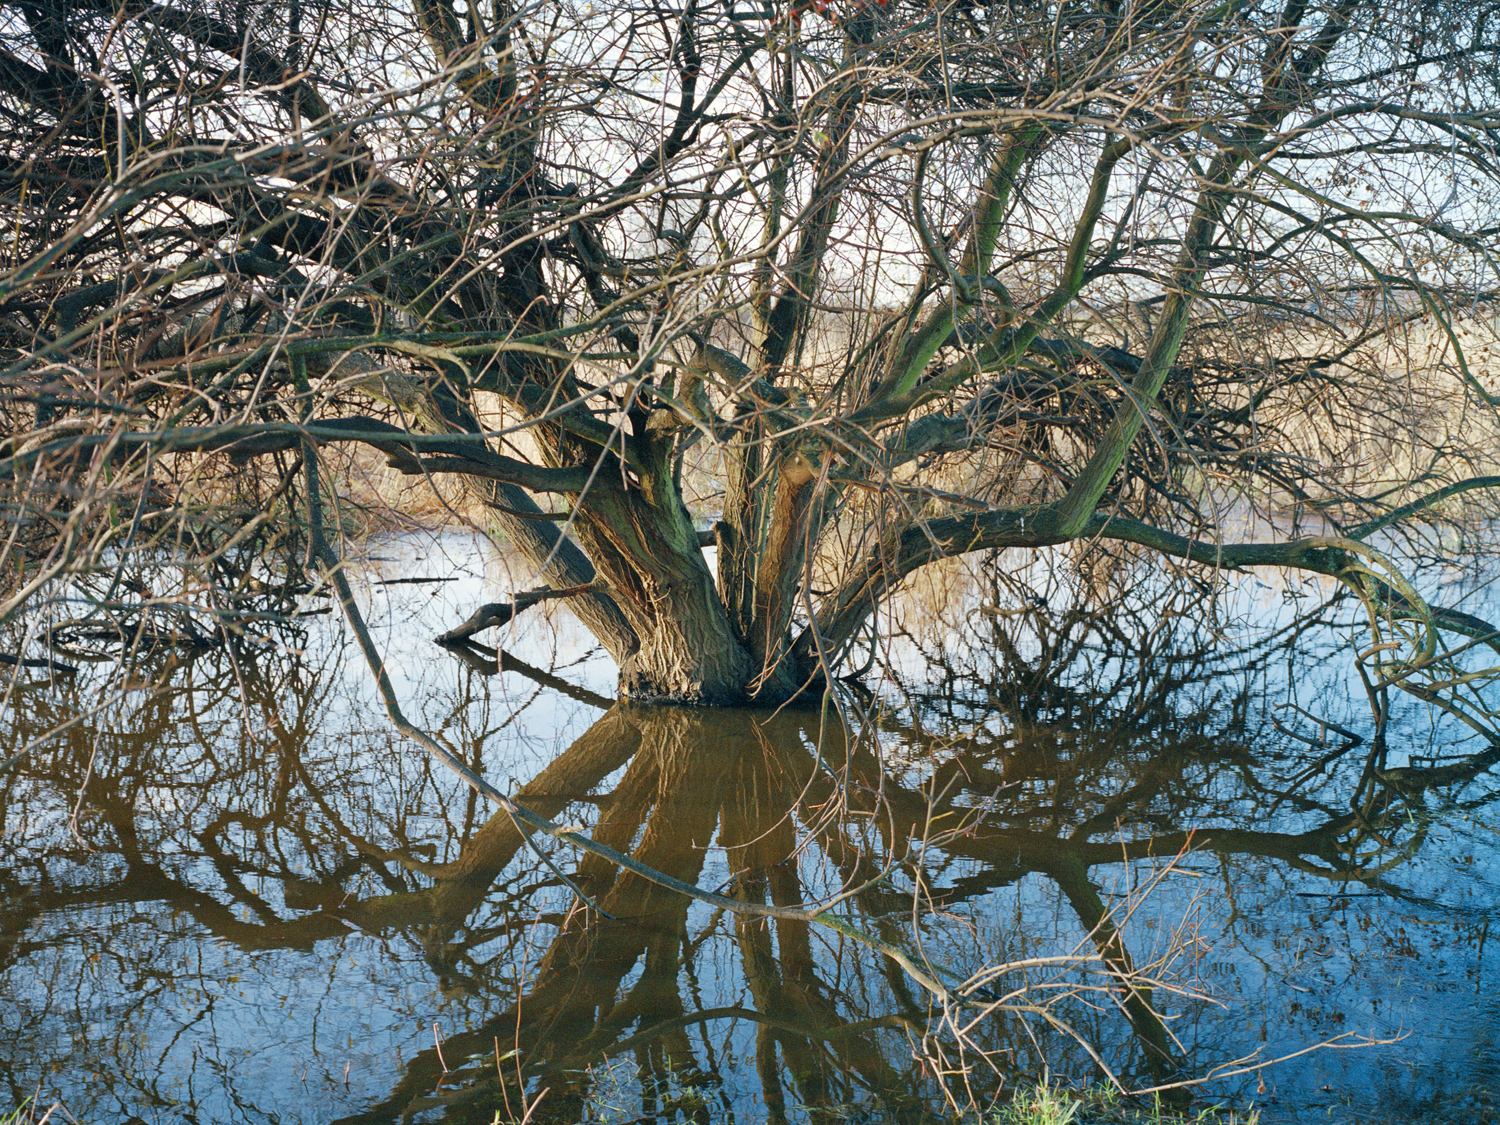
(231, 892)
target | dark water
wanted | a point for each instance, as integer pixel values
(232, 893)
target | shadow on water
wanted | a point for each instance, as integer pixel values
(237, 896)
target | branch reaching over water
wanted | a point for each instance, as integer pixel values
(410, 452)
(1365, 530)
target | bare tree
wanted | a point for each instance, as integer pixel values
(898, 281)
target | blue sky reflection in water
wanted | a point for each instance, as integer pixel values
(273, 903)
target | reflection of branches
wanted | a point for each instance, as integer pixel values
(911, 816)
(1070, 756)
(688, 774)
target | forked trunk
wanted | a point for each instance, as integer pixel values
(649, 555)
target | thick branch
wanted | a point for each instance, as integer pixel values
(454, 455)
(1365, 530)
(921, 542)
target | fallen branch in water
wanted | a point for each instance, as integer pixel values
(500, 613)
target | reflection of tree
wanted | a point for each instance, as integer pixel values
(692, 774)
(1049, 775)
(1126, 796)
(232, 805)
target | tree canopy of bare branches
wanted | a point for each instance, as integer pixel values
(870, 284)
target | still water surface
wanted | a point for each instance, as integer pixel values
(234, 894)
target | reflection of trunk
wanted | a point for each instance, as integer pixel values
(760, 837)
(664, 812)
(759, 842)
(460, 886)
(668, 806)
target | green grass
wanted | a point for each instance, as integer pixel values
(1046, 1104)
(26, 1113)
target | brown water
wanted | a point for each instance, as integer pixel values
(233, 894)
